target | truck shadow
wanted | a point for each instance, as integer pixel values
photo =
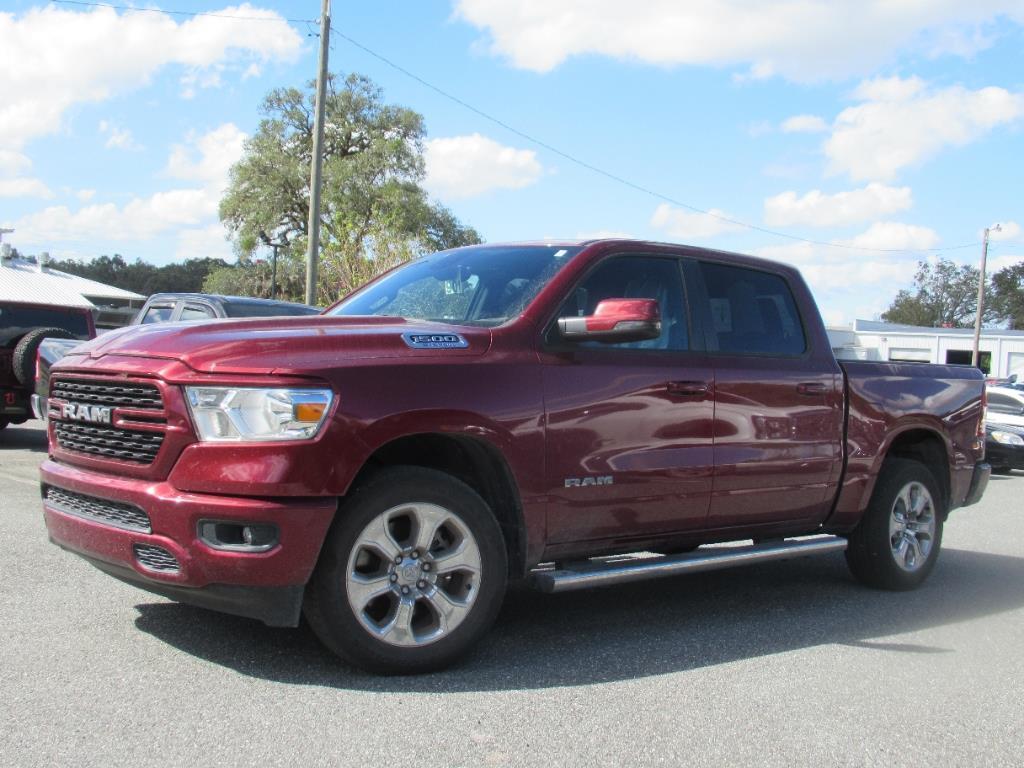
(24, 438)
(633, 631)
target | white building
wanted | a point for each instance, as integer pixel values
(28, 282)
(1001, 352)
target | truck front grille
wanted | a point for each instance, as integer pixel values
(156, 558)
(109, 442)
(113, 513)
(115, 394)
(124, 443)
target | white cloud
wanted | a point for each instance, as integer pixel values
(684, 225)
(204, 242)
(117, 137)
(1008, 230)
(55, 58)
(13, 163)
(204, 158)
(85, 195)
(207, 158)
(817, 209)
(829, 270)
(24, 187)
(903, 122)
(803, 40)
(804, 124)
(894, 236)
(467, 166)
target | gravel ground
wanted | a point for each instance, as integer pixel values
(781, 664)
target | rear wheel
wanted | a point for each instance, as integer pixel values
(412, 574)
(898, 540)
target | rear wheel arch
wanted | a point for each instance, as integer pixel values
(926, 447)
(474, 461)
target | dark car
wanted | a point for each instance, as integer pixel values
(1004, 447)
(168, 307)
(23, 327)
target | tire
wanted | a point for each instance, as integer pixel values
(24, 359)
(427, 611)
(3, 422)
(897, 542)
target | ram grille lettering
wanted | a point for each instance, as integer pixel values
(97, 414)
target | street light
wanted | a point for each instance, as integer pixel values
(273, 261)
(981, 293)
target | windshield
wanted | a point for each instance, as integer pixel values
(469, 286)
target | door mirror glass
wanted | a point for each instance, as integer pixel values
(615, 321)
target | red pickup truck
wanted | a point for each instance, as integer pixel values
(496, 413)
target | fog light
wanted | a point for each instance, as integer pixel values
(238, 537)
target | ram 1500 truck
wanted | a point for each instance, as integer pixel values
(497, 413)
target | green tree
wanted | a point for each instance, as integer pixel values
(944, 294)
(375, 214)
(1006, 297)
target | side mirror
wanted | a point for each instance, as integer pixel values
(615, 321)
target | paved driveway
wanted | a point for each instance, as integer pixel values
(781, 664)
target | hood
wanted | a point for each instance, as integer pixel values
(285, 345)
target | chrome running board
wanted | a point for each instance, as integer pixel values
(622, 570)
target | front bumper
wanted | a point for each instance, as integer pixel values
(264, 585)
(999, 455)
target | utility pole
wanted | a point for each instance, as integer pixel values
(313, 229)
(975, 356)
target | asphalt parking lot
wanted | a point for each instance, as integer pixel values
(783, 664)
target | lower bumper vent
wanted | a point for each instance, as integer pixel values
(113, 513)
(156, 558)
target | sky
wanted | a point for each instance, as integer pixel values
(851, 139)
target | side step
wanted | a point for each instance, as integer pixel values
(598, 573)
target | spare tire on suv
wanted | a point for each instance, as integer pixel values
(23, 361)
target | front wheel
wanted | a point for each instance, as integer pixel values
(898, 540)
(412, 573)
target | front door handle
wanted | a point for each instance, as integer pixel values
(811, 388)
(688, 388)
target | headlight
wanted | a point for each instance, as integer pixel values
(239, 414)
(1006, 438)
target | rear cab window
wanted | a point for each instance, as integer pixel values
(196, 312)
(752, 312)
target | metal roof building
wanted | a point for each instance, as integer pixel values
(1001, 351)
(27, 282)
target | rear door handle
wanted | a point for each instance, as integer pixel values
(688, 388)
(811, 388)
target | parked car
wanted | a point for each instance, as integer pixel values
(1005, 406)
(168, 307)
(23, 327)
(497, 413)
(1004, 447)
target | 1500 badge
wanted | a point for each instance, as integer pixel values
(435, 340)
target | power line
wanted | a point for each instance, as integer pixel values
(620, 179)
(533, 140)
(179, 13)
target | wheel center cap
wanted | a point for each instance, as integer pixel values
(408, 573)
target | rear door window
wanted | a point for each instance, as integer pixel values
(196, 312)
(752, 312)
